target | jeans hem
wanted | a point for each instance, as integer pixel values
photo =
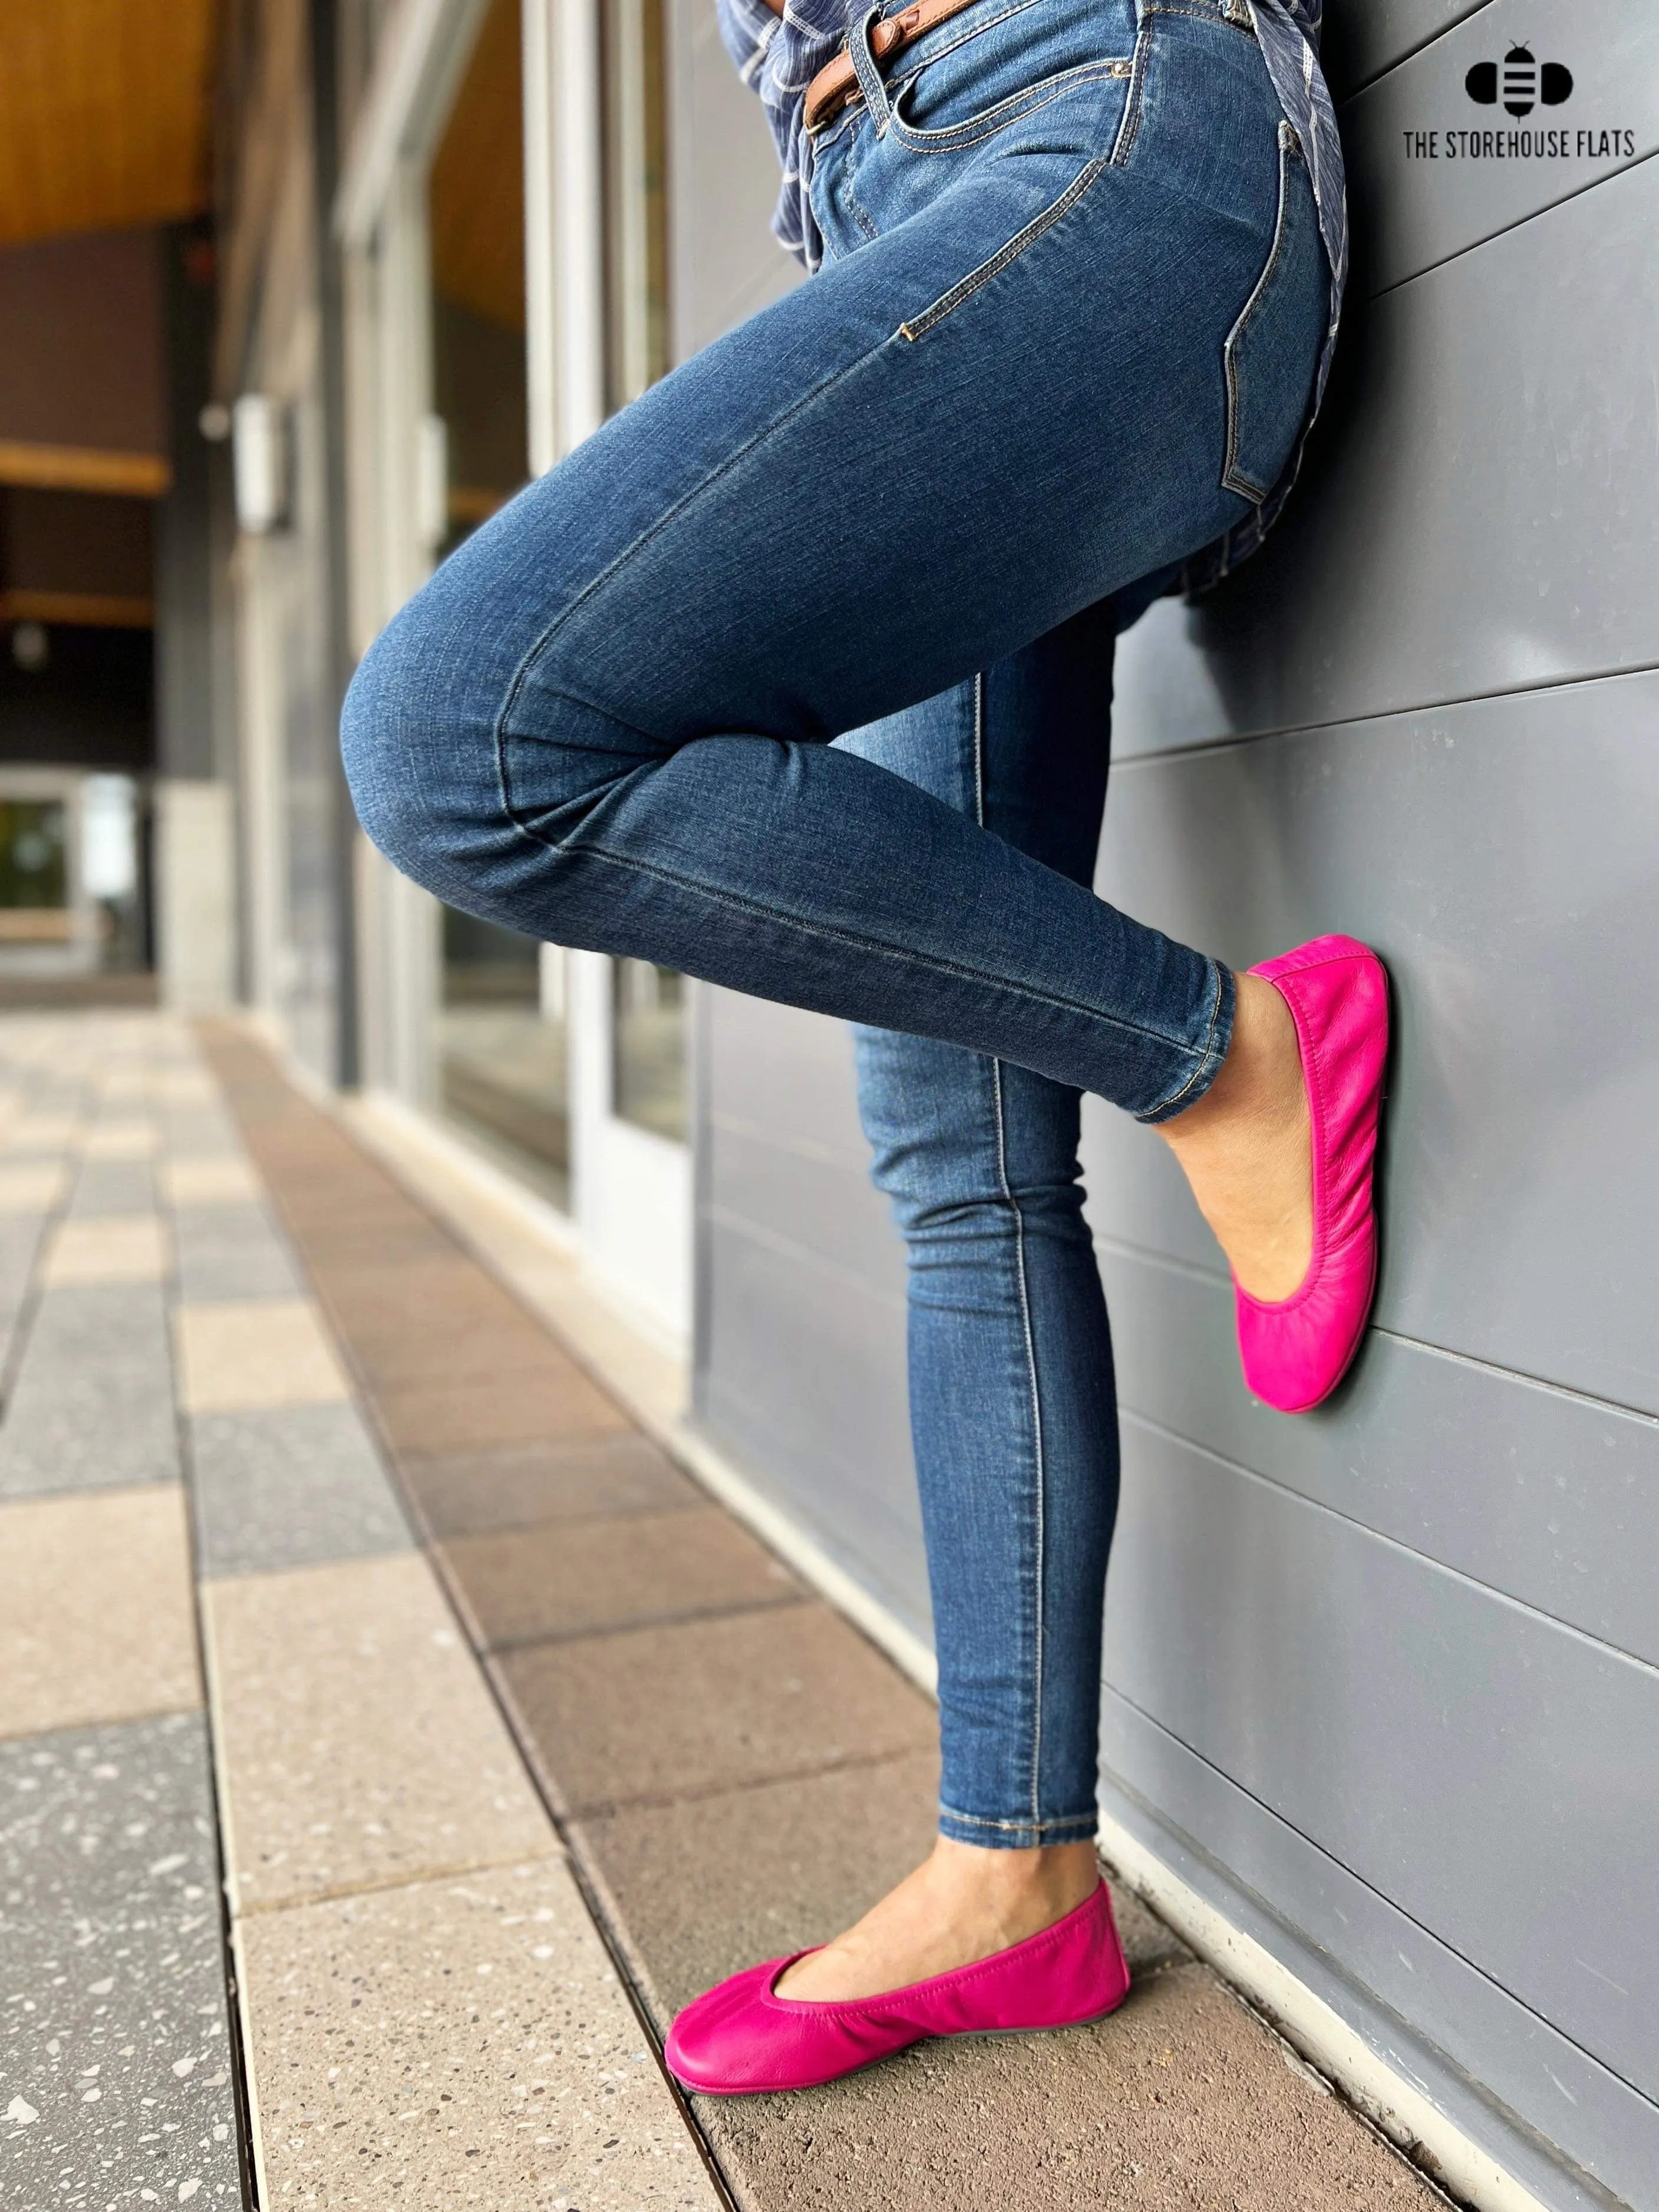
(1016, 1835)
(1221, 1035)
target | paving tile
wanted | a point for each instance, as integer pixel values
(232, 1252)
(708, 1885)
(514, 1408)
(209, 1129)
(288, 1487)
(46, 1131)
(1179, 2098)
(124, 1139)
(117, 2053)
(656, 1713)
(458, 2043)
(516, 1486)
(20, 1242)
(214, 1179)
(92, 1404)
(127, 1087)
(252, 1352)
(410, 1321)
(576, 1577)
(106, 1187)
(97, 1610)
(358, 1743)
(186, 1086)
(346, 1241)
(122, 1248)
(34, 1187)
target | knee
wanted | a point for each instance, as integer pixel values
(385, 728)
(417, 738)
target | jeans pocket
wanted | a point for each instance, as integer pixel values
(972, 130)
(977, 279)
(1271, 350)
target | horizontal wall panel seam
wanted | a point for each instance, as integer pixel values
(1274, 1912)
(804, 1148)
(1597, 1644)
(785, 1247)
(1407, 54)
(1236, 740)
(1509, 229)
(1147, 1256)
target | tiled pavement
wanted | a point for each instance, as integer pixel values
(428, 2015)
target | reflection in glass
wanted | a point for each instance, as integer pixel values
(501, 1049)
(34, 860)
(635, 199)
(476, 218)
(501, 1027)
(649, 1047)
(109, 836)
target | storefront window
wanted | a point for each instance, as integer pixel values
(647, 1002)
(476, 220)
(33, 861)
(501, 1057)
(649, 1047)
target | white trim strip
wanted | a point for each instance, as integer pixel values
(417, 65)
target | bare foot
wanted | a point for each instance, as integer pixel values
(1247, 1150)
(961, 1905)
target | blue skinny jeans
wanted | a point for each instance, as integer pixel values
(796, 676)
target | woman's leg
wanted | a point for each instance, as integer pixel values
(604, 722)
(1012, 1411)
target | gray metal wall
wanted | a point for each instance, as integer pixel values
(1382, 1681)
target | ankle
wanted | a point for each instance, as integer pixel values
(1258, 1081)
(1055, 1877)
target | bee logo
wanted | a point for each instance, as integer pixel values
(1520, 80)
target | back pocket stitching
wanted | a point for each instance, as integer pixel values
(965, 287)
(1232, 476)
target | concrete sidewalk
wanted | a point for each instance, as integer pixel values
(484, 1665)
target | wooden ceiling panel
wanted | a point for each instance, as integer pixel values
(103, 113)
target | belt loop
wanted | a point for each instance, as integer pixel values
(864, 63)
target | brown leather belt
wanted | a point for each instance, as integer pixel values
(836, 84)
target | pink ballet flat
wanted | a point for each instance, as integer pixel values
(1296, 1350)
(741, 2037)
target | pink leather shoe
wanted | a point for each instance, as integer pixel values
(741, 2036)
(1296, 1350)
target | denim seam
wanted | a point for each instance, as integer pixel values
(977, 279)
(635, 547)
(1039, 1467)
(833, 935)
(1233, 478)
(1216, 14)
(1089, 1820)
(956, 138)
(1129, 122)
(1163, 1111)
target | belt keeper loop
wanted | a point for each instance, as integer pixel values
(864, 62)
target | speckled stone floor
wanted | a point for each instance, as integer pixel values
(359, 1656)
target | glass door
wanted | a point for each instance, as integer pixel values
(499, 1058)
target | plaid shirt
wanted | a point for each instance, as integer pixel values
(778, 56)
